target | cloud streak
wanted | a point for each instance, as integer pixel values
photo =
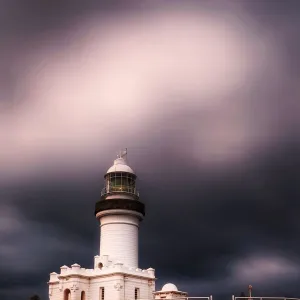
(115, 79)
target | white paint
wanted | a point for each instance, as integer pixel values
(120, 165)
(119, 236)
(119, 282)
(169, 287)
(170, 291)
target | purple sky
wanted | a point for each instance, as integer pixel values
(205, 97)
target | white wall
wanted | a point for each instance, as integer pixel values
(116, 286)
(143, 284)
(119, 238)
(110, 287)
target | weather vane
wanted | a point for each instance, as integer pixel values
(122, 153)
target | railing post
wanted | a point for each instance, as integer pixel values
(210, 297)
(233, 298)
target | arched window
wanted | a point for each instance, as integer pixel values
(100, 265)
(82, 295)
(67, 294)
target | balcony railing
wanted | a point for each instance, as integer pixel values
(120, 189)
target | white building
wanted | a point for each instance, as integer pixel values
(116, 274)
(169, 291)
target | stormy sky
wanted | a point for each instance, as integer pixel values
(205, 96)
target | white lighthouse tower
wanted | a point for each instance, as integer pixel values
(119, 212)
(116, 274)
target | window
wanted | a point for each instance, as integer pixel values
(101, 293)
(100, 265)
(136, 293)
(67, 294)
(120, 181)
(83, 295)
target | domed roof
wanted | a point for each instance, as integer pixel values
(169, 287)
(120, 165)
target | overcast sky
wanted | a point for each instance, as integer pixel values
(205, 96)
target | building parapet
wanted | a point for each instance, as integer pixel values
(76, 270)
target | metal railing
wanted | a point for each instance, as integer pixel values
(180, 298)
(262, 298)
(120, 189)
(233, 298)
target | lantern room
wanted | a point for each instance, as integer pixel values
(120, 178)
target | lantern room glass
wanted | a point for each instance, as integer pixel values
(120, 182)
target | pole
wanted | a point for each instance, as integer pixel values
(250, 291)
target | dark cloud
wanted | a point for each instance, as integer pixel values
(208, 230)
(193, 231)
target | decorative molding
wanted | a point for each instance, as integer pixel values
(94, 274)
(118, 286)
(74, 287)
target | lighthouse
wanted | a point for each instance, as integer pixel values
(116, 274)
(120, 212)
